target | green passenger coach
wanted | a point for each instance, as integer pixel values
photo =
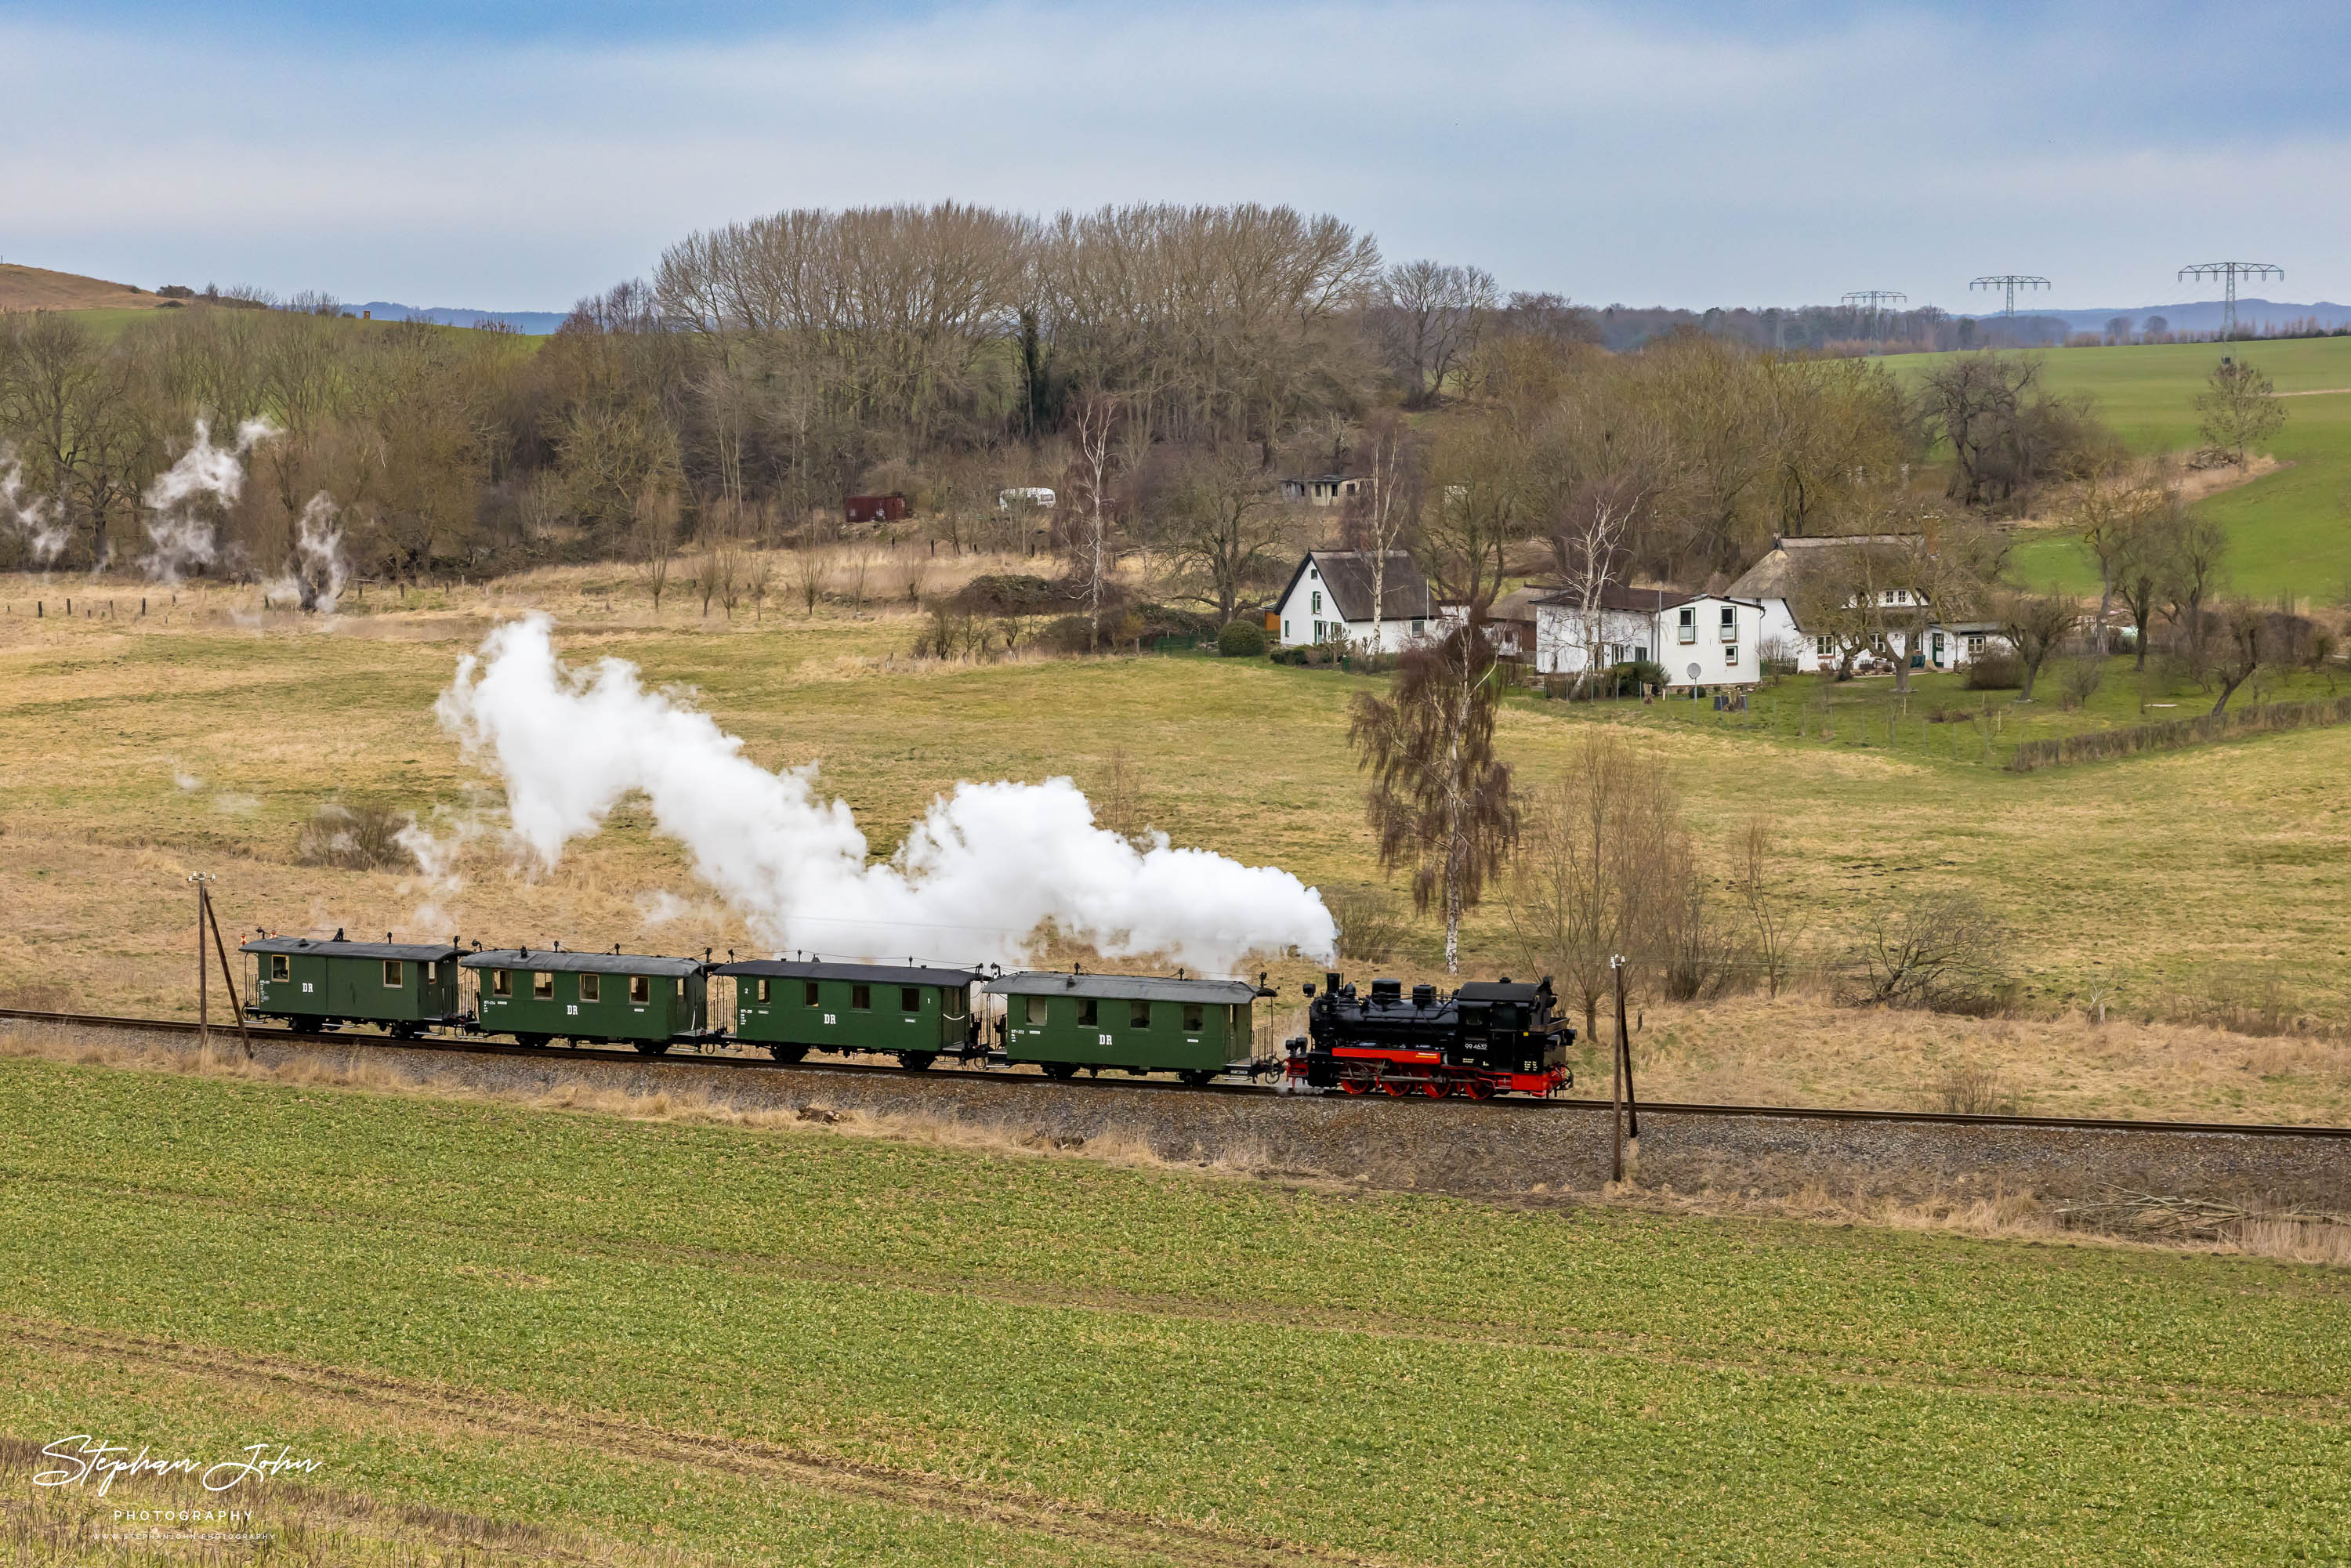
(1133, 1023)
(311, 984)
(914, 1014)
(590, 998)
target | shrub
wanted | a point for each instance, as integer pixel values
(1371, 922)
(1940, 951)
(363, 835)
(2083, 677)
(1974, 1088)
(1241, 640)
(1626, 680)
(2098, 745)
(1995, 672)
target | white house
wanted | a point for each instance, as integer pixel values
(1772, 584)
(1329, 600)
(1324, 489)
(1698, 639)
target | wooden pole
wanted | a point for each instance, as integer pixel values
(228, 980)
(1616, 1079)
(204, 1004)
(1624, 1060)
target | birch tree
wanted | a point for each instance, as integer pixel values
(1441, 798)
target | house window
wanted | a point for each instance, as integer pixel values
(1316, 605)
(762, 993)
(861, 998)
(1420, 624)
(641, 989)
(280, 967)
(1138, 1015)
(1285, 631)
(395, 973)
(1824, 646)
(1730, 654)
(591, 988)
(910, 999)
(1086, 1012)
(1689, 624)
(1191, 1017)
(501, 982)
(1036, 1009)
(807, 994)
(542, 986)
(1729, 624)
(1975, 646)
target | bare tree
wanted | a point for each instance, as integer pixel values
(1222, 527)
(1603, 856)
(1427, 316)
(1772, 915)
(1587, 547)
(2113, 511)
(655, 525)
(1097, 417)
(2034, 624)
(1441, 797)
(2196, 561)
(1940, 949)
(2241, 647)
(1388, 511)
(2238, 409)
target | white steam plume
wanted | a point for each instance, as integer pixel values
(977, 877)
(35, 517)
(316, 575)
(182, 535)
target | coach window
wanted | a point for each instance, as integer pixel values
(763, 990)
(910, 999)
(807, 994)
(1086, 1012)
(280, 965)
(641, 989)
(861, 998)
(1138, 1015)
(502, 982)
(433, 974)
(542, 985)
(1191, 1017)
(591, 988)
(395, 974)
(1036, 1009)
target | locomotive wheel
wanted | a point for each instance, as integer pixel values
(1397, 1086)
(1354, 1084)
(1479, 1088)
(1061, 1071)
(1437, 1087)
(917, 1061)
(788, 1053)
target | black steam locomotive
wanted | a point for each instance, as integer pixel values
(1490, 1037)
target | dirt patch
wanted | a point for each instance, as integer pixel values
(37, 288)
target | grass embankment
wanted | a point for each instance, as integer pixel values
(2290, 531)
(132, 753)
(783, 1346)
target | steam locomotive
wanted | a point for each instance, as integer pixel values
(1490, 1037)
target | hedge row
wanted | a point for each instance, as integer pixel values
(2097, 744)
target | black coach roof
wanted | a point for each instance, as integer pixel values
(552, 960)
(871, 974)
(1141, 987)
(414, 952)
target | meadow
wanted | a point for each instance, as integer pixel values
(2167, 893)
(2290, 530)
(778, 1345)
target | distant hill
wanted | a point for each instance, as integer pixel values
(2199, 316)
(37, 288)
(536, 322)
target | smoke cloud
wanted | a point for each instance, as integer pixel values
(314, 576)
(179, 531)
(34, 518)
(977, 878)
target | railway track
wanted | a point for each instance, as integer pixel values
(696, 1058)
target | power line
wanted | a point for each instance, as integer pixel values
(1874, 302)
(2229, 272)
(2009, 282)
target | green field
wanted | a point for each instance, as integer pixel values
(788, 1346)
(2290, 530)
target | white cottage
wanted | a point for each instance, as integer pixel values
(1772, 584)
(1329, 600)
(1698, 639)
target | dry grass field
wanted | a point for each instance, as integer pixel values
(2201, 884)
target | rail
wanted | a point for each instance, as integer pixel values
(459, 1046)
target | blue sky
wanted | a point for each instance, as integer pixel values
(517, 156)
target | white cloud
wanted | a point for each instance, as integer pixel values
(1640, 159)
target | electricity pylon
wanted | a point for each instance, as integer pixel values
(2009, 282)
(2229, 271)
(1874, 302)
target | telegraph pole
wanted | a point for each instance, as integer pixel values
(200, 879)
(2229, 272)
(2007, 283)
(1874, 302)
